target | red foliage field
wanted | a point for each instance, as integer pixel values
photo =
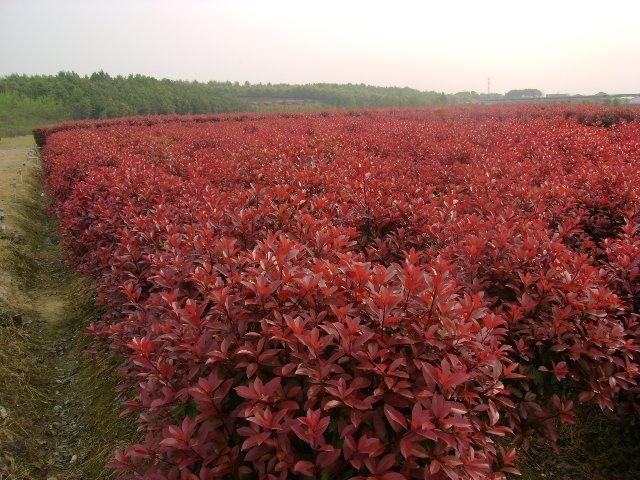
(380, 295)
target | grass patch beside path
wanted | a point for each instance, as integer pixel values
(58, 409)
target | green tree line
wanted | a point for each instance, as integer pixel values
(27, 101)
(30, 100)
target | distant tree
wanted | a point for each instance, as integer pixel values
(523, 94)
(466, 97)
(67, 95)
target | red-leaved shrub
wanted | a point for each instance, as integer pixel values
(377, 295)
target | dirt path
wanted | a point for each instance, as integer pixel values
(58, 414)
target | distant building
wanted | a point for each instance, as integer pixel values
(634, 101)
(557, 95)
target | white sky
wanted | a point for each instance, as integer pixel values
(453, 45)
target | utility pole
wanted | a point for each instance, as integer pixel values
(488, 85)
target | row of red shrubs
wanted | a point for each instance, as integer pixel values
(377, 295)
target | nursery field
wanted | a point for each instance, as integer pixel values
(379, 295)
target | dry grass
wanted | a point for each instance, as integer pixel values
(599, 447)
(60, 416)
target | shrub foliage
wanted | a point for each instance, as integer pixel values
(380, 295)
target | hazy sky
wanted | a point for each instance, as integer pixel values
(451, 45)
